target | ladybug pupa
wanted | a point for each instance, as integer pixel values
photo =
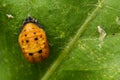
(33, 41)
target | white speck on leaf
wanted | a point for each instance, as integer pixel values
(101, 36)
(10, 16)
(117, 20)
(99, 4)
(4, 5)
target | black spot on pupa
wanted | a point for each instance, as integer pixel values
(27, 41)
(30, 54)
(35, 38)
(41, 35)
(25, 34)
(34, 33)
(40, 51)
(22, 41)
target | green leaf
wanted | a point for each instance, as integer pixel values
(71, 28)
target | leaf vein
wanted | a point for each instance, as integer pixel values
(66, 51)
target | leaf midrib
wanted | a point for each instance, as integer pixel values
(67, 49)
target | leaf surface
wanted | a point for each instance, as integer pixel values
(71, 28)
